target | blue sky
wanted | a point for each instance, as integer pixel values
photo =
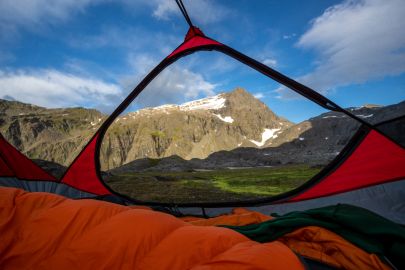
(93, 52)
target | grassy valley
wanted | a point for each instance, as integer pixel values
(211, 186)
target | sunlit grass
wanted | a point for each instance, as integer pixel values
(211, 186)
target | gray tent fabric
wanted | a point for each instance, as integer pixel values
(45, 186)
(387, 200)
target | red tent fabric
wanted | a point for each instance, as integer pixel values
(376, 160)
(194, 38)
(82, 174)
(5, 171)
(14, 163)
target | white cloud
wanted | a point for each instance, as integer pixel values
(289, 36)
(34, 12)
(111, 36)
(357, 41)
(270, 62)
(283, 92)
(258, 95)
(129, 39)
(211, 63)
(52, 89)
(201, 11)
(176, 84)
(164, 8)
(173, 86)
(37, 14)
(142, 64)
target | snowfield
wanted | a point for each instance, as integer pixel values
(266, 135)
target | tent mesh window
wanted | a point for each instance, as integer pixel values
(189, 141)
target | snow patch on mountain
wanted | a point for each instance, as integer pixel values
(95, 122)
(227, 119)
(210, 103)
(266, 135)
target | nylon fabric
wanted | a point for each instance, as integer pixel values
(376, 160)
(82, 174)
(5, 171)
(58, 233)
(363, 228)
(312, 242)
(238, 217)
(196, 41)
(20, 166)
(45, 186)
(329, 248)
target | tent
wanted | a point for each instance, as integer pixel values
(369, 172)
(370, 164)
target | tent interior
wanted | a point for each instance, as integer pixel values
(199, 159)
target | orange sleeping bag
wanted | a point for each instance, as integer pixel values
(312, 242)
(46, 231)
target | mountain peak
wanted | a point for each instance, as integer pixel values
(240, 98)
(208, 103)
(238, 91)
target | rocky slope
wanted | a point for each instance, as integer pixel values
(232, 129)
(314, 142)
(192, 130)
(56, 135)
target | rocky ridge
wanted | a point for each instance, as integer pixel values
(192, 130)
(56, 135)
(232, 129)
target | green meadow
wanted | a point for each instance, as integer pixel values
(211, 186)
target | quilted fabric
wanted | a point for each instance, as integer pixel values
(312, 242)
(46, 231)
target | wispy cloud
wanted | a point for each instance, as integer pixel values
(164, 9)
(204, 11)
(357, 41)
(259, 95)
(37, 15)
(176, 84)
(270, 62)
(52, 88)
(34, 13)
(128, 39)
(289, 36)
(31, 13)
